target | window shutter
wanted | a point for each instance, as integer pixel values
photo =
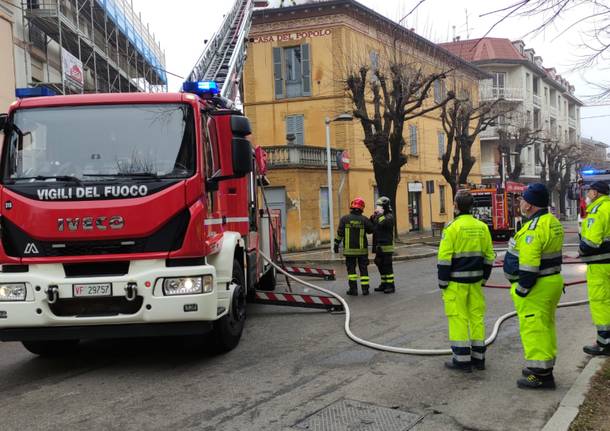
(441, 144)
(277, 73)
(306, 69)
(295, 124)
(413, 139)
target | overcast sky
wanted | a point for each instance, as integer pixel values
(182, 26)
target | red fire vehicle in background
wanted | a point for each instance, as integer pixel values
(580, 187)
(499, 209)
(129, 215)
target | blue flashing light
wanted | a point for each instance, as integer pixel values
(22, 93)
(588, 172)
(201, 88)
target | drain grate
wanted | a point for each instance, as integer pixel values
(350, 415)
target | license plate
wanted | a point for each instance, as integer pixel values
(88, 290)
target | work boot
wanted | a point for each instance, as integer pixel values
(365, 290)
(526, 372)
(389, 288)
(478, 364)
(596, 350)
(465, 367)
(352, 291)
(380, 288)
(536, 381)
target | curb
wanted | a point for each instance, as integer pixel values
(570, 404)
(331, 261)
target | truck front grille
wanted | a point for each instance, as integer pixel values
(94, 307)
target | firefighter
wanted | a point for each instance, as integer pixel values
(533, 265)
(465, 260)
(595, 250)
(383, 243)
(352, 231)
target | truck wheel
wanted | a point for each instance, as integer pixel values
(51, 347)
(228, 329)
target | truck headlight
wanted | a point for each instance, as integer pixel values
(12, 292)
(187, 285)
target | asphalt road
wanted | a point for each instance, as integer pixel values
(290, 364)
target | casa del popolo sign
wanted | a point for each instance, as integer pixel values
(285, 37)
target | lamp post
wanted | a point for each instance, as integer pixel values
(327, 121)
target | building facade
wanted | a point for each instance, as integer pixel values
(540, 99)
(294, 79)
(78, 46)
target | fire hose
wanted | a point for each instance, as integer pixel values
(406, 350)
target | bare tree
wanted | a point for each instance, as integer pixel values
(593, 16)
(514, 137)
(462, 122)
(383, 101)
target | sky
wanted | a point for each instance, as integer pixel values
(183, 27)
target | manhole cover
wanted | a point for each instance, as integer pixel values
(349, 415)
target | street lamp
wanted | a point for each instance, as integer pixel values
(327, 121)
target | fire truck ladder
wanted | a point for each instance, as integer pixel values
(223, 58)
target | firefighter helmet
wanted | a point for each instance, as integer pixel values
(384, 202)
(357, 203)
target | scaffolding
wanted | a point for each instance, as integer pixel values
(116, 51)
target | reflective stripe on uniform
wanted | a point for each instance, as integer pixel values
(548, 256)
(522, 289)
(364, 280)
(443, 283)
(468, 254)
(478, 343)
(603, 327)
(511, 277)
(489, 262)
(460, 343)
(477, 355)
(545, 365)
(461, 358)
(589, 242)
(466, 274)
(550, 271)
(595, 257)
(603, 341)
(528, 268)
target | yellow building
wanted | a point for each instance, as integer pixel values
(294, 79)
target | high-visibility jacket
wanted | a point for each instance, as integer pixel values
(595, 234)
(534, 252)
(383, 233)
(352, 231)
(465, 254)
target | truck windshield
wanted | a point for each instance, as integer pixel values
(92, 143)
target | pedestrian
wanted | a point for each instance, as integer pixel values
(595, 251)
(465, 260)
(383, 243)
(533, 265)
(352, 231)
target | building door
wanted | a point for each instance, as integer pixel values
(415, 210)
(276, 199)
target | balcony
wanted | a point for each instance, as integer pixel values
(299, 156)
(572, 122)
(494, 93)
(537, 100)
(489, 133)
(489, 169)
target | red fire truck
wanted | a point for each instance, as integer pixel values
(129, 215)
(499, 209)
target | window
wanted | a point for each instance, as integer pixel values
(441, 191)
(374, 61)
(528, 83)
(499, 80)
(537, 154)
(294, 129)
(413, 139)
(536, 85)
(439, 91)
(292, 71)
(440, 137)
(324, 213)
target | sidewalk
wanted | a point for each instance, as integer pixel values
(412, 245)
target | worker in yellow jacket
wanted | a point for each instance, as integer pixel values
(533, 265)
(595, 250)
(465, 259)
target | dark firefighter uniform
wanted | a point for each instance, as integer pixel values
(383, 244)
(465, 260)
(533, 266)
(595, 251)
(352, 232)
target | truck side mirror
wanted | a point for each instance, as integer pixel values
(242, 156)
(3, 121)
(241, 147)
